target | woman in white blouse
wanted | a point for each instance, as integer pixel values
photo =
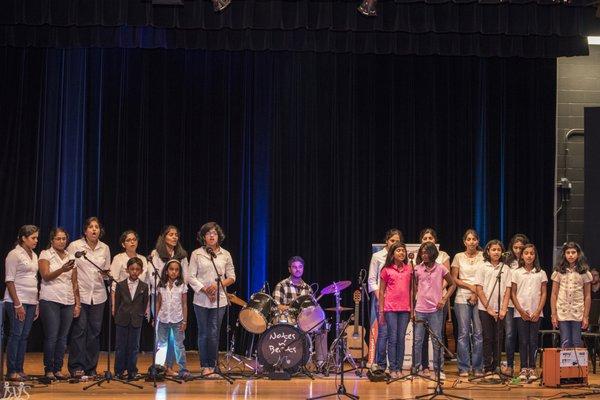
(209, 312)
(21, 298)
(464, 271)
(84, 347)
(59, 300)
(167, 247)
(118, 268)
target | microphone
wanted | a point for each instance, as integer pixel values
(210, 252)
(80, 254)
(411, 257)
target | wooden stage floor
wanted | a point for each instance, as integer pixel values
(297, 388)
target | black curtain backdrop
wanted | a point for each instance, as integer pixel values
(315, 154)
(523, 28)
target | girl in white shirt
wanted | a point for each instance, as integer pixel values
(171, 308)
(464, 270)
(571, 295)
(529, 297)
(59, 300)
(21, 298)
(84, 347)
(118, 268)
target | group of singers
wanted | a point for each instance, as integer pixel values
(497, 290)
(494, 289)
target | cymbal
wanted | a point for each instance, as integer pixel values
(339, 309)
(236, 300)
(335, 287)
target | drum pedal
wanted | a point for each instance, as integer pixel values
(279, 376)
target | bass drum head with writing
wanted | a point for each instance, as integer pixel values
(255, 317)
(309, 314)
(284, 346)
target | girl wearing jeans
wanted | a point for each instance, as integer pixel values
(395, 306)
(430, 304)
(571, 295)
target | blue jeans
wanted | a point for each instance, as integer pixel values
(170, 358)
(468, 318)
(85, 339)
(382, 336)
(209, 324)
(435, 321)
(510, 327)
(56, 319)
(17, 338)
(570, 334)
(164, 333)
(528, 341)
(396, 322)
(126, 349)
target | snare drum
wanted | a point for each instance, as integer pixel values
(308, 313)
(255, 317)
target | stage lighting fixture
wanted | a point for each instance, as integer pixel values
(220, 5)
(367, 7)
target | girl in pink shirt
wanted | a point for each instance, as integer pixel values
(394, 304)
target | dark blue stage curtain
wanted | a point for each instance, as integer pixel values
(523, 28)
(306, 153)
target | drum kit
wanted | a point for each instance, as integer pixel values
(286, 336)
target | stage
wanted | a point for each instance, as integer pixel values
(297, 388)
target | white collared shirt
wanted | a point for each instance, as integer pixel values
(375, 266)
(118, 268)
(467, 271)
(160, 265)
(486, 278)
(59, 289)
(89, 279)
(202, 273)
(132, 287)
(529, 289)
(171, 306)
(22, 271)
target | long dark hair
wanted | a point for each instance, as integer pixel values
(164, 275)
(581, 265)
(389, 260)
(179, 252)
(486, 251)
(473, 232)
(511, 256)
(536, 262)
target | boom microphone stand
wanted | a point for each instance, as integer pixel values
(108, 375)
(341, 390)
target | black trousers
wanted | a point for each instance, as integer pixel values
(492, 332)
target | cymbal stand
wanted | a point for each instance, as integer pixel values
(333, 357)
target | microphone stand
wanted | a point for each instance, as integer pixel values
(108, 375)
(341, 390)
(217, 370)
(503, 378)
(152, 374)
(364, 298)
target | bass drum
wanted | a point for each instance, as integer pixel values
(255, 317)
(284, 346)
(309, 314)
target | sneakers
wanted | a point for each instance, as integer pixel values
(463, 374)
(523, 374)
(532, 374)
(479, 374)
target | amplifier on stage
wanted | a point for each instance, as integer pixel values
(565, 367)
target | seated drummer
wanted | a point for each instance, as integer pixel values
(288, 290)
